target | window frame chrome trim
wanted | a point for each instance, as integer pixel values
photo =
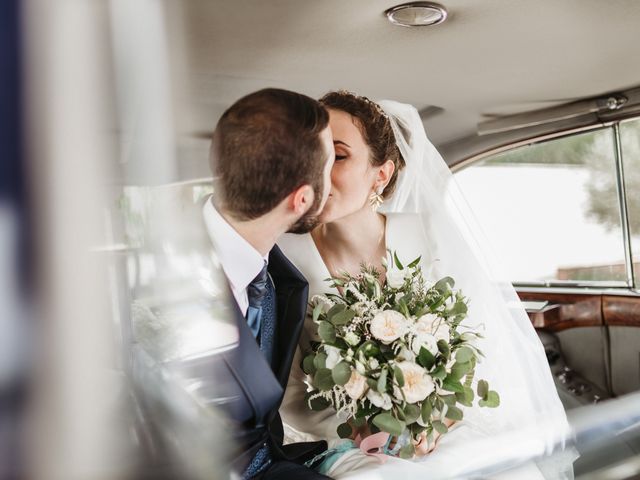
(622, 203)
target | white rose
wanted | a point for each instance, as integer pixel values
(356, 386)
(388, 326)
(380, 400)
(406, 354)
(427, 341)
(352, 338)
(395, 278)
(417, 384)
(333, 356)
(322, 300)
(431, 324)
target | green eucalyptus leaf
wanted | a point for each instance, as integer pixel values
(444, 285)
(449, 399)
(426, 410)
(411, 413)
(323, 379)
(444, 348)
(382, 381)
(341, 373)
(454, 413)
(320, 361)
(492, 400)
(344, 430)
(327, 332)
(452, 385)
(308, 365)
(343, 317)
(440, 427)
(464, 355)
(407, 452)
(373, 383)
(459, 370)
(483, 389)
(388, 423)
(466, 397)
(439, 373)
(426, 358)
(337, 308)
(399, 376)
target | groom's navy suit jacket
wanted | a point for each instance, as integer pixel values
(263, 385)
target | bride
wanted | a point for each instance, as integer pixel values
(391, 190)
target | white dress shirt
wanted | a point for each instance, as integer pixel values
(240, 261)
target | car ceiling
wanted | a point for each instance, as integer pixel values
(489, 58)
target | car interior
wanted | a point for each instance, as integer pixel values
(535, 107)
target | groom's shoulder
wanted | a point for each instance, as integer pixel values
(282, 267)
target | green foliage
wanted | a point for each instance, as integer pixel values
(439, 427)
(388, 423)
(327, 332)
(399, 376)
(323, 379)
(344, 430)
(382, 381)
(341, 373)
(426, 359)
(343, 317)
(407, 452)
(308, 365)
(411, 413)
(453, 413)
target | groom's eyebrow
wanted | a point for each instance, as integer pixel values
(340, 142)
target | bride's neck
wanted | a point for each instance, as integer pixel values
(352, 240)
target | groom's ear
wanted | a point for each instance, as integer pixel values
(301, 199)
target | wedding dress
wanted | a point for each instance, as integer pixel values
(428, 217)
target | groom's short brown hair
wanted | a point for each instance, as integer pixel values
(265, 146)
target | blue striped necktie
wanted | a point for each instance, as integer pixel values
(261, 317)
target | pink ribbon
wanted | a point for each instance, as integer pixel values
(373, 445)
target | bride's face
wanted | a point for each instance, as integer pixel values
(352, 176)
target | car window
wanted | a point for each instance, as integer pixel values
(551, 209)
(630, 141)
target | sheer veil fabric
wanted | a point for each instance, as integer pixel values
(515, 364)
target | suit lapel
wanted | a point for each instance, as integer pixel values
(292, 291)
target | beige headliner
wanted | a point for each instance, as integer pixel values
(490, 57)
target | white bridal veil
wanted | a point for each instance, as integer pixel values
(515, 364)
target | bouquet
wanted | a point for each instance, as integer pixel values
(394, 356)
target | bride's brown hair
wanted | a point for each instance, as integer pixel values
(375, 127)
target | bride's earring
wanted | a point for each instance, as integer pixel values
(375, 199)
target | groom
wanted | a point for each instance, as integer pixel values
(271, 158)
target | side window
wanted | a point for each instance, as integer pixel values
(630, 141)
(552, 210)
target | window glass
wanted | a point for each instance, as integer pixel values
(551, 209)
(630, 139)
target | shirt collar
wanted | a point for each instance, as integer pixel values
(240, 261)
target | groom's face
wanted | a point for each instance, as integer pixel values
(309, 220)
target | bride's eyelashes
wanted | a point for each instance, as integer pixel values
(340, 157)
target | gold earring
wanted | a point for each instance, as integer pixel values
(375, 199)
